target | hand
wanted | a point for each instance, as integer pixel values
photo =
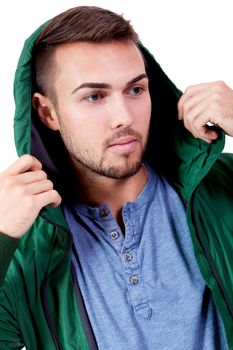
(24, 191)
(204, 103)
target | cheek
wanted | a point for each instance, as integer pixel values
(143, 115)
(84, 130)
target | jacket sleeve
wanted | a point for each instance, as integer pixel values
(8, 246)
(10, 337)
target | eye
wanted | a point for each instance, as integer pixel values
(95, 97)
(136, 90)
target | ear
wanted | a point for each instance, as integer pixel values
(45, 111)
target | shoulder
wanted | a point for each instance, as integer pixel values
(221, 174)
(215, 192)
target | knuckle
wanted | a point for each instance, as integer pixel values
(49, 183)
(189, 90)
(185, 107)
(27, 158)
(30, 160)
(43, 174)
(54, 193)
(20, 191)
(181, 101)
(219, 87)
(9, 182)
(221, 83)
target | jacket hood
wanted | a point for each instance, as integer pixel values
(171, 149)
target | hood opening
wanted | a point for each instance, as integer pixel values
(47, 146)
(171, 148)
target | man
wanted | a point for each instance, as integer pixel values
(139, 253)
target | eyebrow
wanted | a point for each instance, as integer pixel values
(108, 86)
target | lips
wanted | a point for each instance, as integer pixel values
(124, 145)
(122, 141)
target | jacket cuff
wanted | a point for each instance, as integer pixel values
(8, 246)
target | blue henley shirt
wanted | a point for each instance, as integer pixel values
(143, 289)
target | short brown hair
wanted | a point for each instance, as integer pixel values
(78, 24)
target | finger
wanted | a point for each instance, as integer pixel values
(51, 198)
(198, 88)
(190, 118)
(190, 92)
(32, 176)
(23, 164)
(205, 134)
(55, 204)
(199, 128)
(211, 134)
(190, 102)
(197, 119)
(207, 140)
(39, 187)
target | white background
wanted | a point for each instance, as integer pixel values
(192, 41)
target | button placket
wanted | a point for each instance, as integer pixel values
(131, 265)
(112, 231)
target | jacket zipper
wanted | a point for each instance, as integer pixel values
(209, 259)
(52, 328)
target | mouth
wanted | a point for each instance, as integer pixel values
(124, 145)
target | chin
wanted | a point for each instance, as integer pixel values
(122, 172)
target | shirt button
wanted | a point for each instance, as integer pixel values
(128, 256)
(134, 279)
(114, 234)
(104, 211)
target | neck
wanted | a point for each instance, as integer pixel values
(96, 190)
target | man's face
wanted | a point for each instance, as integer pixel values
(103, 106)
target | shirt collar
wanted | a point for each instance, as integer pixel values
(146, 195)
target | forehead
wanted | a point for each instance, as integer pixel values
(106, 62)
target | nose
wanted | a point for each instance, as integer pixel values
(119, 113)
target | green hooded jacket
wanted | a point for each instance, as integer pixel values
(40, 303)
